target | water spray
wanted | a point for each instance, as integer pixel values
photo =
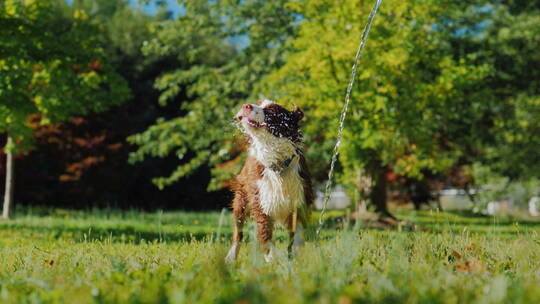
(335, 152)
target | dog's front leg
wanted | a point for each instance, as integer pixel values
(235, 247)
(265, 229)
(239, 217)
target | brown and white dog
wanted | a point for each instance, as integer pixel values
(274, 185)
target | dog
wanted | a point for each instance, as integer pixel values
(274, 185)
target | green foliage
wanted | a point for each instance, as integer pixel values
(224, 48)
(510, 44)
(52, 67)
(124, 29)
(413, 97)
(107, 256)
(440, 84)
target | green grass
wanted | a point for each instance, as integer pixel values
(108, 256)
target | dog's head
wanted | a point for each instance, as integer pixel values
(268, 116)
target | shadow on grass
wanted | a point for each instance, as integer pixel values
(468, 214)
(117, 234)
(133, 233)
(423, 223)
(491, 220)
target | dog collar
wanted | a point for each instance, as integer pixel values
(280, 167)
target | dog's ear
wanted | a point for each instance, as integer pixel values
(298, 113)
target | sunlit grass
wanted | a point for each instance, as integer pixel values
(108, 256)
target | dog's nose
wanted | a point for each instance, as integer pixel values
(247, 107)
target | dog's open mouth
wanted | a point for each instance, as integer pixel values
(252, 123)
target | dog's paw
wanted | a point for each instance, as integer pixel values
(230, 258)
(232, 254)
(269, 257)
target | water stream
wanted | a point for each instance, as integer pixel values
(335, 153)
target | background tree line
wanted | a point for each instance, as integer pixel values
(447, 92)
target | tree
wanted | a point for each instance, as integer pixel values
(507, 40)
(223, 48)
(82, 151)
(52, 68)
(424, 99)
(510, 44)
(413, 99)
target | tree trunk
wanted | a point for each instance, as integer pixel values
(10, 180)
(471, 197)
(378, 191)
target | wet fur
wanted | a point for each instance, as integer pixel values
(268, 196)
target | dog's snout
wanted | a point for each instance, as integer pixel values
(246, 109)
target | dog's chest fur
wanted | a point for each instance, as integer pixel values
(280, 191)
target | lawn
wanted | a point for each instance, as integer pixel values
(109, 256)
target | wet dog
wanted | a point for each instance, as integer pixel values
(274, 186)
